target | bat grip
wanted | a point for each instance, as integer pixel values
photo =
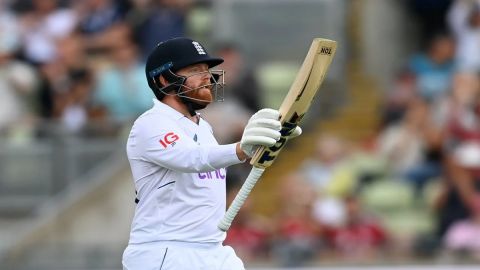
(240, 199)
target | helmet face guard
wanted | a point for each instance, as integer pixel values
(179, 88)
(216, 86)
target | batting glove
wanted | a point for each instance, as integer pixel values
(295, 133)
(263, 129)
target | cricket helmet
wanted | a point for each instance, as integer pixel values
(171, 55)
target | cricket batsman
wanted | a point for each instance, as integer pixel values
(179, 169)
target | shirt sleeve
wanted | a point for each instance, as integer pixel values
(171, 148)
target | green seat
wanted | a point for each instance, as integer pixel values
(394, 203)
(199, 22)
(409, 222)
(275, 79)
(388, 195)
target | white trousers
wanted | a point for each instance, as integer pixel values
(173, 255)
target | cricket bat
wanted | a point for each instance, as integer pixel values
(294, 106)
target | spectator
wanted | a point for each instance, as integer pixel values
(463, 238)
(298, 236)
(461, 199)
(463, 95)
(42, 27)
(329, 171)
(464, 20)
(121, 89)
(9, 31)
(97, 16)
(18, 82)
(157, 20)
(102, 24)
(76, 103)
(397, 99)
(65, 92)
(433, 68)
(360, 238)
(411, 147)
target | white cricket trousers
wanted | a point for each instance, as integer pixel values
(173, 255)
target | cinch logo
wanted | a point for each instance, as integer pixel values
(326, 50)
(169, 139)
(199, 48)
(217, 174)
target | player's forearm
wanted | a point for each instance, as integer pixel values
(193, 159)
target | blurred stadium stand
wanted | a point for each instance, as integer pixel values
(278, 54)
(68, 197)
(66, 201)
(83, 225)
(31, 173)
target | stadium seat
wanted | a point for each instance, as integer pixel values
(388, 195)
(275, 79)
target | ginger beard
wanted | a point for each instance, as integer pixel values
(200, 95)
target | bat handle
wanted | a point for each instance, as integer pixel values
(240, 199)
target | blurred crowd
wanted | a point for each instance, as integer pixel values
(78, 67)
(414, 190)
(431, 129)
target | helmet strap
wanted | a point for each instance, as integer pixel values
(161, 91)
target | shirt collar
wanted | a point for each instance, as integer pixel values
(164, 108)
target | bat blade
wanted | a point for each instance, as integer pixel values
(293, 108)
(300, 96)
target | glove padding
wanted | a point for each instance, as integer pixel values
(295, 133)
(263, 129)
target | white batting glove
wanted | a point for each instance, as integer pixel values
(295, 133)
(263, 129)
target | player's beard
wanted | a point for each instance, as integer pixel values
(202, 96)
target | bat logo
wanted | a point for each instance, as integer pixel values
(287, 128)
(326, 50)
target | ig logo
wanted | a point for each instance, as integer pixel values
(169, 139)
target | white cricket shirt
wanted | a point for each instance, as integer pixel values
(179, 173)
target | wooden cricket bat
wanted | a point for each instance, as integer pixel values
(294, 106)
